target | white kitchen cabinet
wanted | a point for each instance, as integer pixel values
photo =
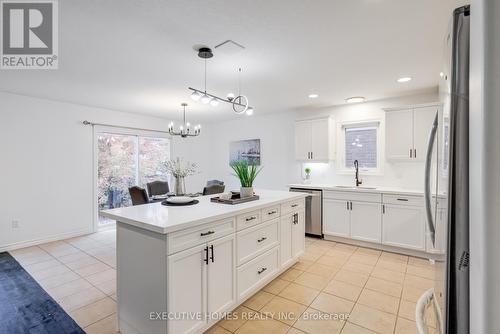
(292, 236)
(202, 279)
(407, 131)
(403, 226)
(187, 288)
(366, 221)
(314, 140)
(336, 217)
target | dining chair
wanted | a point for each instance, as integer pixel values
(157, 188)
(138, 195)
(214, 182)
(214, 189)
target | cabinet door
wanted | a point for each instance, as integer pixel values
(404, 226)
(286, 239)
(302, 140)
(336, 218)
(298, 234)
(366, 221)
(422, 123)
(221, 274)
(187, 285)
(399, 134)
(320, 139)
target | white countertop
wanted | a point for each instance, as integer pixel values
(163, 219)
(376, 190)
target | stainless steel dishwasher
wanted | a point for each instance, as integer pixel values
(314, 213)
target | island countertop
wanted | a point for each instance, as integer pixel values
(163, 219)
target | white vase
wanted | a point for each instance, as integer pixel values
(246, 192)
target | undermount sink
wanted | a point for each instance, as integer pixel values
(353, 187)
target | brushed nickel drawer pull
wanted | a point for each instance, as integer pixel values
(204, 234)
(261, 270)
(250, 218)
(261, 239)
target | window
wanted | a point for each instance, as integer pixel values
(360, 141)
(126, 160)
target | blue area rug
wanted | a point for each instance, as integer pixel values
(25, 307)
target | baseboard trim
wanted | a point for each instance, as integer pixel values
(34, 242)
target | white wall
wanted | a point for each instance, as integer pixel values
(47, 166)
(276, 132)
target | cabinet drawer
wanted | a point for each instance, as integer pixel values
(253, 275)
(270, 213)
(292, 206)
(256, 240)
(403, 200)
(190, 237)
(353, 196)
(247, 220)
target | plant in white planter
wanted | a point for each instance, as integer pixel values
(246, 174)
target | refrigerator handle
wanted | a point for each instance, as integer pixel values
(427, 191)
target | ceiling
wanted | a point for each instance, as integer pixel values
(137, 56)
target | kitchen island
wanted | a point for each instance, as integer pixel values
(180, 269)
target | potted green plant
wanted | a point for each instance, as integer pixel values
(247, 174)
(307, 178)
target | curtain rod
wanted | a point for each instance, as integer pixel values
(122, 127)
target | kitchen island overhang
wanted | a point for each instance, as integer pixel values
(180, 269)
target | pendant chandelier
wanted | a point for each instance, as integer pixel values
(239, 103)
(185, 129)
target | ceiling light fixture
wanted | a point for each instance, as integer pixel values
(313, 96)
(185, 128)
(239, 103)
(404, 79)
(355, 99)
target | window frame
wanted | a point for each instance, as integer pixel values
(341, 151)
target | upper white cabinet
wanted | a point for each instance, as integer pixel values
(407, 131)
(314, 140)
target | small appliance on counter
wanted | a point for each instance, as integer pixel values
(314, 211)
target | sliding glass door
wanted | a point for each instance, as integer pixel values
(126, 160)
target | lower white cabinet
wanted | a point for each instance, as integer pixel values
(404, 226)
(201, 279)
(336, 217)
(292, 233)
(366, 222)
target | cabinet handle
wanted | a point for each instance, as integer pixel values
(294, 205)
(206, 255)
(295, 218)
(351, 205)
(212, 249)
(261, 239)
(411, 153)
(250, 218)
(272, 212)
(347, 202)
(383, 209)
(403, 199)
(415, 153)
(311, 155)
(204, 234)
(261, 270)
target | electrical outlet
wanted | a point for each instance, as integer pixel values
(15, 224)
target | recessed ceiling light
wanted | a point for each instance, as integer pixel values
(313, 96)
(404, 79)
(355, 99)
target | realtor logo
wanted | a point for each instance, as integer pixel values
(29, 34)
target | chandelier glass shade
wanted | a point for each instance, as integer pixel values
(185, 129)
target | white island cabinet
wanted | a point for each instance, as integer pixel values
(180, 269)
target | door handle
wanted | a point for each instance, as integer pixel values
(261, 270)
(415, 153)
(383, 209)
(351, 205)
(212, 250)
(204, 234)
(347, 202)
(427, 185)
(206, 255)
(411, 153)
(311, 155)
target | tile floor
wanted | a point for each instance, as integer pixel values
(335, 288)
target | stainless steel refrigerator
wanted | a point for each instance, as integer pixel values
(447, 186)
